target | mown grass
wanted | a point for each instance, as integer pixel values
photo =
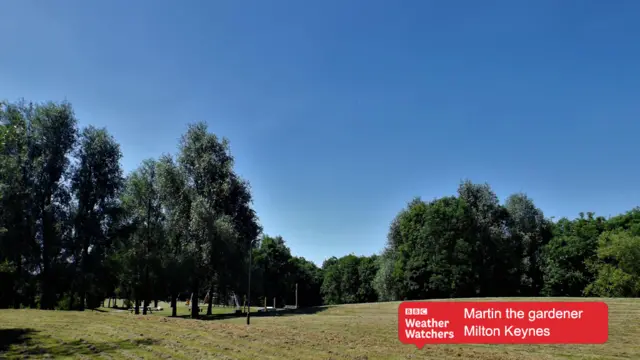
(363, 331)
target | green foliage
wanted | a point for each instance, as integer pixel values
(618, 266)
(73, 231)
(96, 182)
(629, 221)
(67, 302)
(569, 253)
(530, 232)
(471, 245)
(309, 278)
(350, 279)
(7, 267)
(385, 281)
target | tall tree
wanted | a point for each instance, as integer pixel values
(273, 260)
(176, 202)
(207, 164)
(16, 242)
(569, 256)
(388, 280)
(530, 232)
(306, 277)
(349, 279)
(231, 268)
(618, 266)
(385, 281)
(145, 208)
(96, 181)
(496, 260)
(53, 136)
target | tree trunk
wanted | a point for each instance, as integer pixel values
(18, 283)
(109, 303)
(45, 299)
(194, 300)
(82, 300)
(155, 303)
(137, 306)
(83, 281)
(209, 302)
(174, 303)
(225, 297)
(115, 302)
(147, 292)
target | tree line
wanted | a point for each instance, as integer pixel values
(75, 230)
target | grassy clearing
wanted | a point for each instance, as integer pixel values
(363, 331)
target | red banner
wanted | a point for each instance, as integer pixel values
(455, 322)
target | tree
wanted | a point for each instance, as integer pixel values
(52, 138)
(567, 258)
(207, 165)
(429, 252)
(331, 284)
(618, 266)
(367, 268)
(349, 279)
(96, 182)
(232, 264)
(176, 202)
(388, 280)
(308, 277)
(496, 260)
(142, 201)
(629, 221)
(530, 232)
(274, 262)
(15, 244)
(385, 281)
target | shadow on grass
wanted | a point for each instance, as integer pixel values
(279, 312)
(99, 310)
(305, 311)
(27, 342)
(9, 337)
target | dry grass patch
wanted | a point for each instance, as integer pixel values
(363, 331)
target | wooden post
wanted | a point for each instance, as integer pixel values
(274, 304)
(296, 295)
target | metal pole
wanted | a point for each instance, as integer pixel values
(249, 286)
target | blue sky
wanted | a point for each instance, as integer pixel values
(339, 112)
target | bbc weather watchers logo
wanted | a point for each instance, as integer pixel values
(416, 311)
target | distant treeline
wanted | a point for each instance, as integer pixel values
(470, 245)
(75, 231)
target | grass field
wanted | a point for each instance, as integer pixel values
(363, 331)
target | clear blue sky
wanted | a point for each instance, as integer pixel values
(339, 112)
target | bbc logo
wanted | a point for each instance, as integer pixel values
(416, 311)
